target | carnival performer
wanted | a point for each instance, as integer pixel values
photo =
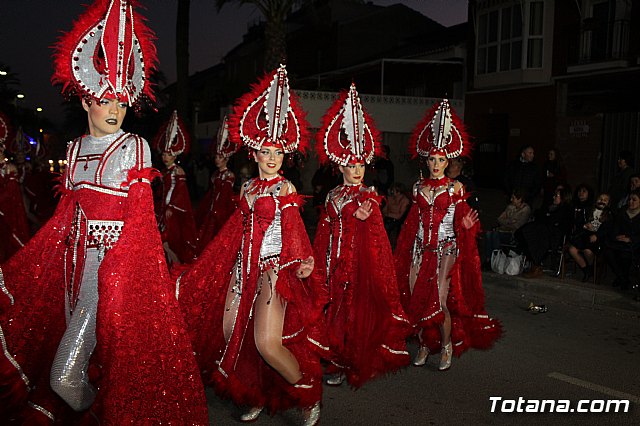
(366, 326)
(14, 228)
(175, 220)
(247, 304)
(87, 312)
(219, 202)
(436, 256)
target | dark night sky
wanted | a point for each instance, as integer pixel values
(29, 27)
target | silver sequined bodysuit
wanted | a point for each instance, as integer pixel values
(96, 167)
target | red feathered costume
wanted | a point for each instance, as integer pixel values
(102, 234)
(216, 207)
(14, 228)
(365, 324)
(247, 246)
(178, 227)
(422, 237)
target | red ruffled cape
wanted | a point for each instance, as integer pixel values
(143, 364)
(365, 323)
(236, 369)
(471, 326)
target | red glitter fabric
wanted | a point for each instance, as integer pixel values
(14, 228)
(237, 369)
(179, 228)
(471, 327)
(216, 207)
(143, 366)
(365, 325)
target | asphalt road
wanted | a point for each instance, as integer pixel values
(568, 353)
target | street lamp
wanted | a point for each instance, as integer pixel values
(3, 73)
(39, 109)
(20, 96)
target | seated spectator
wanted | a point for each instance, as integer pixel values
(582, 206)
(584, 243)
(634, 183)
(510, 220)
(622, 244)
(395, 210)
(546, 232)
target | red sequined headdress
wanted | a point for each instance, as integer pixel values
(347, 134)
(441, 132)
(109, 52)
(269, 114)
(172, 137)
(5, 129)
(223, 145)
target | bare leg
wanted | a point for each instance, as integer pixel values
(230, 309)
(413, 273)
(268, 326)
(446, 263)
(589, 256)
(575, 254)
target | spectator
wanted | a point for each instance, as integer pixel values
(385, 175)
(458, 169)
(523, 173)
(584, 243)
(510, 220)
(620, 183)
(634, 183)
(395, 211)
(547, 231)
(582, 206)
(554, 174)
(623, 241)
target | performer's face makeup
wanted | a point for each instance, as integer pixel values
(168, 159)
(220, 161)
(269, 159)
(353, 173)
(437, 164)
(105, 116)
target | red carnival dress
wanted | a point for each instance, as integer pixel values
(265, 233)
(14, 228)
(178, 229)
(433, 228)
(87, 309)
(216, 207)
(365, 324)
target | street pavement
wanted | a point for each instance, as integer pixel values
(585, 347)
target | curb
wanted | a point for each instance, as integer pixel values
(545, 288)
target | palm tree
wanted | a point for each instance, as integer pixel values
(275, 13)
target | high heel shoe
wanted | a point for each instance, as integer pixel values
(421, 357)
(312, 415)
(445, 357)
(336, 380)
(251, 415)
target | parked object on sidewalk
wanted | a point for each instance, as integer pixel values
(510, 264)
(498, 261)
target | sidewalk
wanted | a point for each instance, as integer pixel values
(570, 291)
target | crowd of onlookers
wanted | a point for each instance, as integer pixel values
(585, 226)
